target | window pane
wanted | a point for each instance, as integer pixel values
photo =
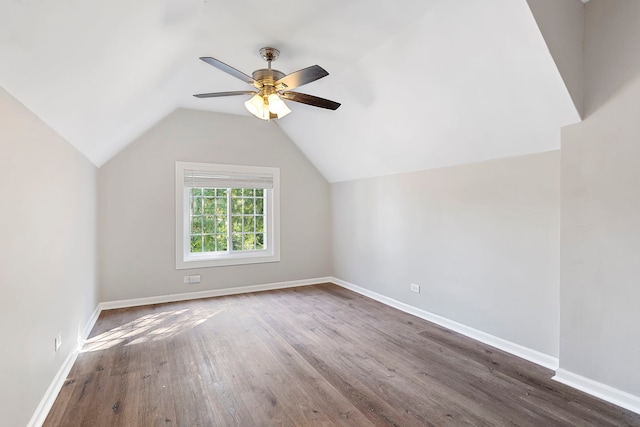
(196, 192)
(209, 225)
(209, 206)
(221, 207)
(249, 224)
(196, 224)
(236, 241)
(249, 242)
(221, 242)
(221, 225)
(196, 206)
(236, 224)
(196, 244)
(209, 244)
(248, 206)
(236, 206)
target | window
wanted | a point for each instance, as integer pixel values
(226, 215)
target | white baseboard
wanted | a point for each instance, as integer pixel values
(210, 293)
(89, 326)
(597, 389)
(526, 353)
(52, 392)
(40, 415)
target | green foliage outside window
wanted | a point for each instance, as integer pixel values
(210, 216)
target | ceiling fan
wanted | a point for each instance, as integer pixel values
(272, 86)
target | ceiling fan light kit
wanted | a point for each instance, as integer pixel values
(267, 108)
(277, 106)
(272, 86)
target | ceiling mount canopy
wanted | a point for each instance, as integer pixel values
(272, 86)
(269, 54)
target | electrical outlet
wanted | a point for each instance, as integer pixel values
(415, 288)
(58, 342)
(190, 280)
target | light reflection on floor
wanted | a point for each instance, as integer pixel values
(149, 328)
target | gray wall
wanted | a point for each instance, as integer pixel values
(600, 290)
(482, 240)
(47, 256)
(137, 212)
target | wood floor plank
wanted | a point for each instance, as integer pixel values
(315, 355)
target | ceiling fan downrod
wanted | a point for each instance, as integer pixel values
(269, 54)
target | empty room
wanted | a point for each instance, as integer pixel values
(410, 213)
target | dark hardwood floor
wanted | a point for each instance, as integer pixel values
(315, 355)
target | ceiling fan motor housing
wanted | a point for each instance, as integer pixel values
(267, 77)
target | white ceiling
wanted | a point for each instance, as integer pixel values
(423, 83)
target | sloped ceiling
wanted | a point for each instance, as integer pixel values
(423, 83)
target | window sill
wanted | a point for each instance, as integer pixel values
(236, 259)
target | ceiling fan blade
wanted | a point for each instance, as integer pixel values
(217, 94)
(316, 101)
(228, 69)
(301, 77)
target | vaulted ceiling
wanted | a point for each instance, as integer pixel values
(423, 83)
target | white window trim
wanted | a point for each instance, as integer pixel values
(185, 260)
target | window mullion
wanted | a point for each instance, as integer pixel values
(242, 235)
(229, 224)
(266, 236)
